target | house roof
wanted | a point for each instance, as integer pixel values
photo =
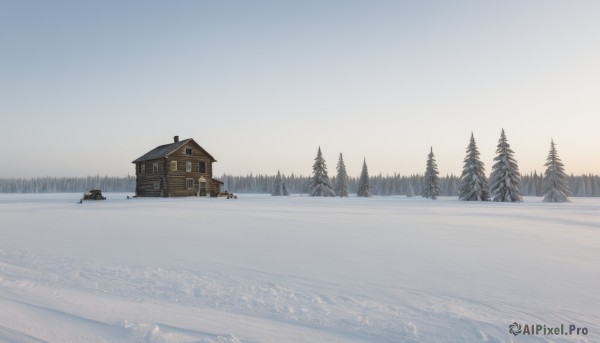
(165, 150)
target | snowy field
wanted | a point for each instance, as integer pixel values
(296, 269)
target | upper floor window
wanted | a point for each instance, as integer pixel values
(188, 151)
(155, 168)
(202, 166)
(173, 165)
(188, 166)
(143, 168)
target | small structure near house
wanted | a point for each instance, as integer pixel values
(227, 195)
(215, 187)
(181, 168)
(94, 194)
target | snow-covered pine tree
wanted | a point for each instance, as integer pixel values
(341, 180)
(319, 183)
(284, 189)
(555, 179)
(410, 192)
(473, 183)
(505, 180)
(431, 187)
(278, 188)
(364, 186)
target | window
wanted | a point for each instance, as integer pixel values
(188, 151)
(202, 166)
(189, 183)
(156, 184)
(143, 168)
(188, 166)
(173, 165)
(155, 168)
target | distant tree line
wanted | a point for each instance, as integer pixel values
(386, 185)
(380, 185)
(298, 184)
(68, 184)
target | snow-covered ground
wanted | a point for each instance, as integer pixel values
(295, 269)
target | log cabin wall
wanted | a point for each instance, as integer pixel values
(177, 179)
(145, 182)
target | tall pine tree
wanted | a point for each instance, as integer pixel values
(505, 179)
(473, 183)
(364, 186)
(278, 187)
(555, 179)
(431, 187)
(284, 189)
(341, 180)
(319, 183)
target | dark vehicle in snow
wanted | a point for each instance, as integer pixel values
(94, 194)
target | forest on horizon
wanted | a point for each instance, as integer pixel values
(389, 185)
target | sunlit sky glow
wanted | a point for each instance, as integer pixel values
(88, 86)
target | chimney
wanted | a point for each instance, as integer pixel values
(176, 139)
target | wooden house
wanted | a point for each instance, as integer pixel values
(181, 168)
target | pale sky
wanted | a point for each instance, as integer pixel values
(88, 86)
